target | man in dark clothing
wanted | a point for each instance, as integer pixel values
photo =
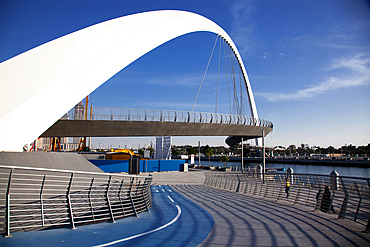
(326, 202)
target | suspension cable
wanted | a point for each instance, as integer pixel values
(204, 75)
(241, 82)
(235, 93)
(227, 77)
(218, 73)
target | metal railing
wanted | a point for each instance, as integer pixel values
(348, 197)
(127, 114)
(38, 198)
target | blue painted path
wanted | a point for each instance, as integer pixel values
(173, 220)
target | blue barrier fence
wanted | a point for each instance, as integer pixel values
(145, 165)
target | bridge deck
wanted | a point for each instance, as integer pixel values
(110, 128)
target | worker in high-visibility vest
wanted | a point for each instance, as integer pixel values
(287, 187)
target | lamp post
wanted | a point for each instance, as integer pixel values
(199, 152)
(263, 155)
(242, 155)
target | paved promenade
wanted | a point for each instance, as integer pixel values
(213, 217)
(242, 220)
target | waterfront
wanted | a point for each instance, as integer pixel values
(303, 169)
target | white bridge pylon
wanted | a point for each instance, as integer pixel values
(40, 85)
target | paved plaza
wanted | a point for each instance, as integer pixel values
(187, 213)
(242, 220)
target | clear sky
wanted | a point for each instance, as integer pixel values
(308, 62)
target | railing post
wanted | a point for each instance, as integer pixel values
(211, 180)
(149, 190)
(120, 199)
(130, 194)
(41, 201)
(359, 202)
(334, 179)
(368, 226)
(206, 179)
(343, 208)
(107, 197)
(238, 187)
(7, 208)
(91, 206)
(226, 182)
(145, 185)
(263, 156)
(136, 192)
(218, 182)
(69, 202)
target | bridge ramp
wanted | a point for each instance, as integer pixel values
(49, 160)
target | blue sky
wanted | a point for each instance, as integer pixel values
(308, 62)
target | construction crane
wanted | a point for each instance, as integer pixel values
(55, 144)
(82, 143)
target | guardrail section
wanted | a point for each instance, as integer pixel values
(347, 197)
(36, 198)
(150, 115)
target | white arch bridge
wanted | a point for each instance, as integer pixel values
(82, 61)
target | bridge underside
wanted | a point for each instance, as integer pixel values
(108, 128)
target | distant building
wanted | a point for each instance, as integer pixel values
(78, 115)
(66, 143)
(163, 147)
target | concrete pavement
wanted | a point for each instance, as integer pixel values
(173, 220)
(242, 220)
(237, 219)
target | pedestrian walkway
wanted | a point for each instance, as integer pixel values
(195, 177)
(242, 220)
(213, 217)
(173, 221)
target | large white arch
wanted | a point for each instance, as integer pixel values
(42, 84)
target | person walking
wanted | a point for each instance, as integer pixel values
(326, 203)
(287, 187)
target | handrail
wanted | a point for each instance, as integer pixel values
(348, 197)
(69, 171)
(40, 198)
(153, 115)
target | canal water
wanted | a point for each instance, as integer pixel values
(306, 169)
